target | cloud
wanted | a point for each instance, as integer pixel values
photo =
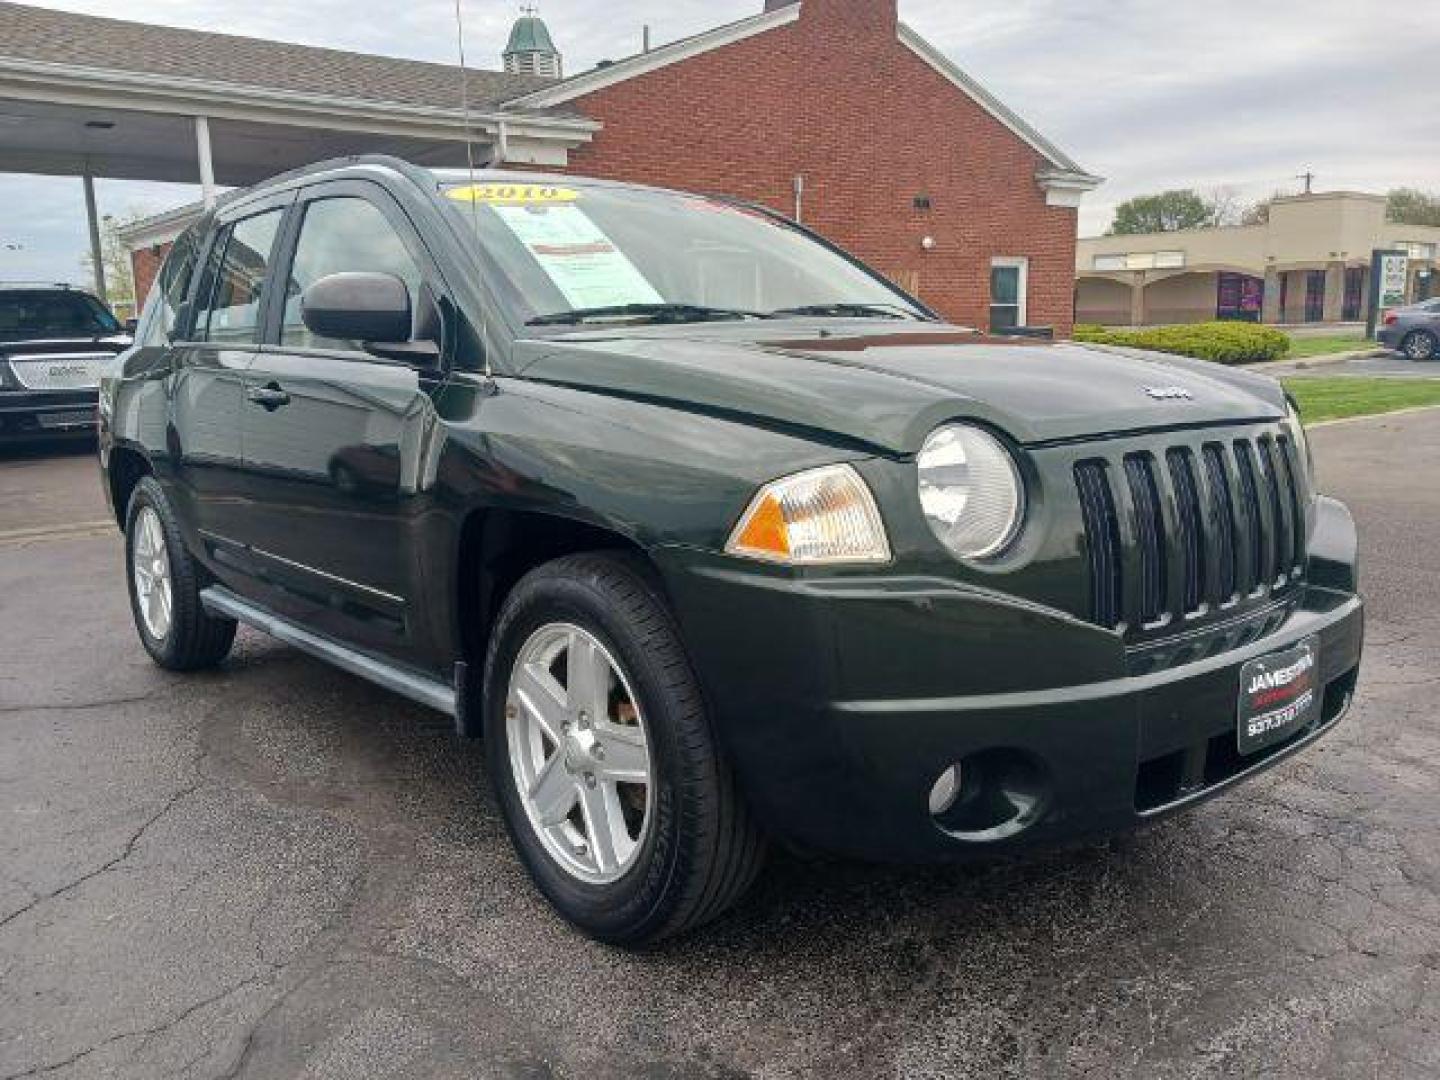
(1150, 94)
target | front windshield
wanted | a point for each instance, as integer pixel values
(590, 253)
(52, 313)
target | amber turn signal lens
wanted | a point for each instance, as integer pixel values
(822, 516)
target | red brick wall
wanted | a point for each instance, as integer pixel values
(837, 98)
(146, 265)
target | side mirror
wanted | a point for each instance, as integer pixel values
(131, 325)
(358, 307)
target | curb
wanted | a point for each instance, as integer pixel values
(1317, 361)
(1371, 416)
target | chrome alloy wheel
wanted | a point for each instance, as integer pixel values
(150, 565)
(579, 753)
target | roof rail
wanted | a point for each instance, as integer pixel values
(37, 285)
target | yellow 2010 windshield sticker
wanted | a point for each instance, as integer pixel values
(514, 194)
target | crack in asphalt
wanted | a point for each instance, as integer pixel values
(125, 853)
(142, 1033)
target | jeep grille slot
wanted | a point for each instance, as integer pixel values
(1297, 499)
(1150, 526)
(1175, 535)
(1254, 521)
(1192, 538)
(1280, 530)
(1224, 525)
(1102, 541)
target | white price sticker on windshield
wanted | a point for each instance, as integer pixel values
(584, 263)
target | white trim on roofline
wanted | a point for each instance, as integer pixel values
(655, 59)
(1065, 170)
(146, 92)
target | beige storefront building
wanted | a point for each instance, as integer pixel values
(1309, 263)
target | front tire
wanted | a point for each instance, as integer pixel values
(1420, 345)
(165, 584)
(614, 790)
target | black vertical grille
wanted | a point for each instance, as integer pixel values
(1150, 529)
(1280, 519)
(1254, 522)
(1192, 537)
(1291, 469)
(1102, 531)
(1223, 523)
(1176, 532)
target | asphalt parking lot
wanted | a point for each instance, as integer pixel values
(276, 870)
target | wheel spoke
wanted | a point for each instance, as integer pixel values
(601, 807)
(627, 758)
(164, 593)
(157, 539)
(553, 793)
(587, 676)
(542, 697)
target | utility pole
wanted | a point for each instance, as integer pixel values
(1309, 178)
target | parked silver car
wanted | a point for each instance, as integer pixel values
(1414, 330)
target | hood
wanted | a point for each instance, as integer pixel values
(108, 343)
(888, 385)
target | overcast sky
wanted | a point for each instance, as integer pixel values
(1151, 94)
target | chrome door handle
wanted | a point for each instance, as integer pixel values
(269, 397)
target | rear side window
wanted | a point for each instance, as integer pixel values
(345, 235)
(232, 313)
(170, 290)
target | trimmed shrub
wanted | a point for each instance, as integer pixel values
(1222, 342)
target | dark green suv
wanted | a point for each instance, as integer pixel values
(712, 534)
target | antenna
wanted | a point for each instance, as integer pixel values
(1309, 178)
(470, 169)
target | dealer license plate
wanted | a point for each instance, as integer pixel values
(1279, 695)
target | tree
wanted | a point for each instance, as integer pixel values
(119, 276)
(1411, 206)
(1168, 211)
(1225, 206)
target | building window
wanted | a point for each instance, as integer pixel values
(1354, 294)
(1169, 260)
(1110, 262)
(1239, 297)
(1008, 287)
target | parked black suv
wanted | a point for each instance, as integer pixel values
(54, 340)
(712, 533)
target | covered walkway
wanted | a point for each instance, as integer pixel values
(93, 97)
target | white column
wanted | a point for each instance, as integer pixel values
(207, 165)
(93, 220)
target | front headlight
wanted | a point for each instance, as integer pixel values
(822, 516)
(970, 490)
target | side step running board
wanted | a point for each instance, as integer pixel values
(426, 691)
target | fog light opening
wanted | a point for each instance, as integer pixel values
(990, 795)
(946, 791)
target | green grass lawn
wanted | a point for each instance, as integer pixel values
(1335, 398)
(1302, 347)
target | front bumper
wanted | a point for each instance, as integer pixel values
(47, 414)
(842, 700)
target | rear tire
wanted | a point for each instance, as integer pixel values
(688, 848)
(1420, 345)
(165, 583)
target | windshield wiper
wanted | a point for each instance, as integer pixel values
(654, 313)
(848, 311)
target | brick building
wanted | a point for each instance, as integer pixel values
(835, 112)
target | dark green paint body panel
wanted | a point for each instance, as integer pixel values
(840, 693)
